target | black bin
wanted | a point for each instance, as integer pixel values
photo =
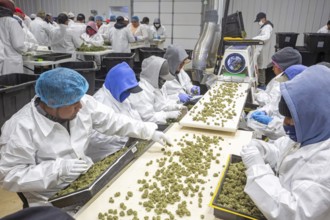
(112, 59)
(146, 52)
(317, 42)
(87, 69)
(308, 58)
(286, 39)
(16, 90)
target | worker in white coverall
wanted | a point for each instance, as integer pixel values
(63, 39)
(121, 37)
(43, 145)
(41, 29)
(91, 37)
(159, 32)
(265, 32)
(267, 120)
(290, 178)
(281, 60)
(181, 89)
(119, 83)
(151, 103)
(12, 40)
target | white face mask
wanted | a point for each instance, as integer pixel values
(157, 25)
(260, 23)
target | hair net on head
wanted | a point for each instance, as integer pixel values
(98, 18)
(119, 80)
(135, 18)
(61, 87)
(113, 18)
(92, 25)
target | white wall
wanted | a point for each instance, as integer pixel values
(287, 15)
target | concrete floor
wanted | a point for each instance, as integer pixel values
(9, 203)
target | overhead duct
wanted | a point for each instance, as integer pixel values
(205, 51)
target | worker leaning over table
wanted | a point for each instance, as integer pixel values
(43, 145)
(290, 178)
(119, 83)
(152, 104)
(181, 88)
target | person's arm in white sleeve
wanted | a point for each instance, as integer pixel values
(130, 36)
(106, 121)
(145, 109)
(144, 36)
(96, 40)
(185, 81)
(265, 34)
(17, 37)
(308, 199)
(77, 41)
(18, 169)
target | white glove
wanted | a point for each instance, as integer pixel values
(251, 156)
(173, 114)
(72, 168)
(161, 138)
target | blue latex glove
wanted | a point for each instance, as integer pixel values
(195, 90)
(264, 119)
(254, 114)
(184, 97)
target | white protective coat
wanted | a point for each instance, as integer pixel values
(301, 190)
(77, 29)
(41, 30)
(324, 30)
(32, 146)
(181, 85)
(104, 30)
(63, 40)
(271, 96)
(264, 34)
(120, 39)
(102, 145)
(95, 40)
(161, 32)
(151, 103)
(141, 33)
(12, 38)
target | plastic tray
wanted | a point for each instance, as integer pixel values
(53, 56)
(80, 197)
(221, 211)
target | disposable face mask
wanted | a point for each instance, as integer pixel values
(260, 23)
(290, 131)
(157, 25)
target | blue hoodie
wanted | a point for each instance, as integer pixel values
(119, 80)
(307, 97)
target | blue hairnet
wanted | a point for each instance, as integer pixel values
(61, 87)
(135, 18)
(113, 18)
(98, 17)
(119, 80)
